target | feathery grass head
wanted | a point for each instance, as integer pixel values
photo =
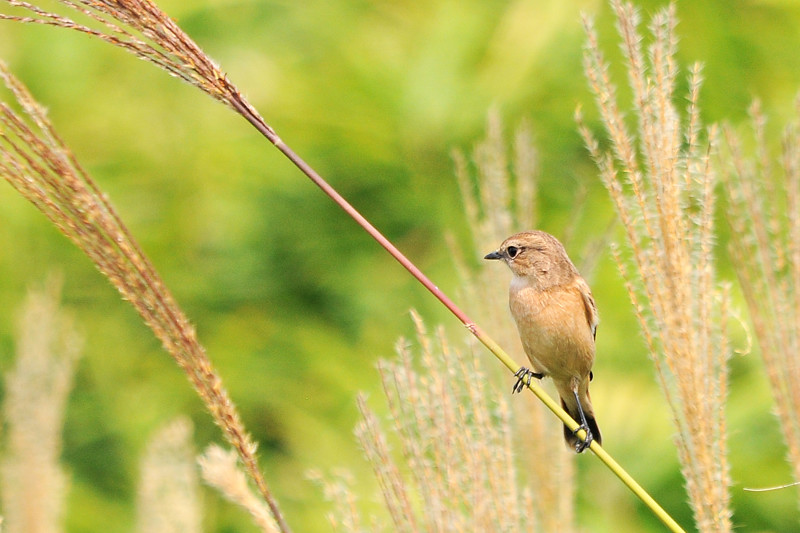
(143, 29)
(499, 192)
(168, 493)
(140, 27)
(222, 470)
(763, 210)
(36, 162)
(36, 389)
(453, 467)
(501, 198)
(661, 181)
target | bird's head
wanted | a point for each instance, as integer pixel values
(538, 256)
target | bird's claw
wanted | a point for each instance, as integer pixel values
(586, 442)
(524, 376)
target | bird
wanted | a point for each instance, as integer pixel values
(556, 316)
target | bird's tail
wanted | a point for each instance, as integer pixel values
(571, 438)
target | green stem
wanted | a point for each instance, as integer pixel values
(598, 450)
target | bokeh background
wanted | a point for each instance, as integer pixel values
(292, 300)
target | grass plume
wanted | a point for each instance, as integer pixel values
(143, 29)
(661, 181)
(33, 481)
(169, 493)
(36, 162)
(499, 185)
(222, 470)
(764, 214)
(445, 462)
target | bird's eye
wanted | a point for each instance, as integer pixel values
(512, 251)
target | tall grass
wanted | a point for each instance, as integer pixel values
(169, 493)
(36, 162)
(661, 179)
(33, 481)
(499, 189)
(763, 210)
(446, 461)
(222, 470)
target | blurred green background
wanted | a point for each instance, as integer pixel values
(292, 300)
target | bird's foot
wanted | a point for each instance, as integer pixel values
(524, 376)
(583, 444)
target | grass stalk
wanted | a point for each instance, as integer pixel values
(499, 183)
(34, 484)
(169, 493)
(763, 211)
(661, 181)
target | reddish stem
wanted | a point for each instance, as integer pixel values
(306, 169)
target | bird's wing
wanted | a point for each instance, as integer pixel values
(588, 305)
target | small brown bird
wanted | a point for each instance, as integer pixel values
(557, 321)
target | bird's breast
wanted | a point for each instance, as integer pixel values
(553, 327)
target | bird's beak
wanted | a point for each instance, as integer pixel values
(493, 255)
